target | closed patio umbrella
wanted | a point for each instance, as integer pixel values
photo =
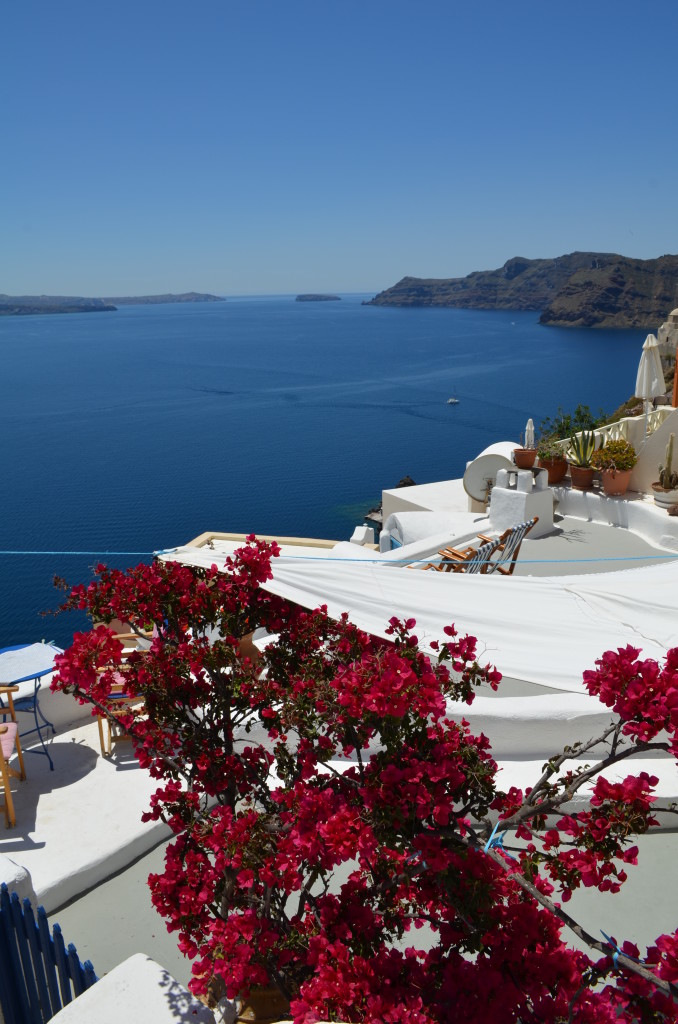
(529, 434)
(650, 380)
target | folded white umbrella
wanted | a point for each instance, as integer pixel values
(650, 379)
(529, 434)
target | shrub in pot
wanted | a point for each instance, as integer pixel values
(551, 456)
(615, 462)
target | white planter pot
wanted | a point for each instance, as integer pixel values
(665, 498)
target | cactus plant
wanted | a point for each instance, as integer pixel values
(668, 478)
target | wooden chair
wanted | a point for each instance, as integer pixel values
(110, 730)
(468, 560)
(481, 559)
(509, 547)
(131, 640)
(9, 743)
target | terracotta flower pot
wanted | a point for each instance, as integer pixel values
(616, 481)
(582, 477)
(264, 1005)
(557, 469)
(524, 457)
(664, 498)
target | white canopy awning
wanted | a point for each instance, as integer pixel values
(545, 630)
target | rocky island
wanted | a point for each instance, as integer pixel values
(581, 289)
(153, 300)
(31, 305)
(318, 298)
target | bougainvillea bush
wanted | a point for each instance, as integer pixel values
(327, 813)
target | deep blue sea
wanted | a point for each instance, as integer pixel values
(137, 430)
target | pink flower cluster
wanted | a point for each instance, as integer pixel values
(642, 693)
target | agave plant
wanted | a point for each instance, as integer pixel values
(582, 447)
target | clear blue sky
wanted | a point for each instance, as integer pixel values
(275, 146)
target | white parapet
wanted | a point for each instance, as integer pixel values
(17, 879)
(634, 512)
(651, 454)
(363, 535)
(138, 989)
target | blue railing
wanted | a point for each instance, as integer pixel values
(38, 974)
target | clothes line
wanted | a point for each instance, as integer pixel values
(433, 559)
(88, 553)
(327, 558)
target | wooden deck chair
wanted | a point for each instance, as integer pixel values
(9, 743)
(467, 560)
(508, 547)
(481, 559)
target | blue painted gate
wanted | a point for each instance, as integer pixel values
(38, 974)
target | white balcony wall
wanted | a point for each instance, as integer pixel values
(652, 454)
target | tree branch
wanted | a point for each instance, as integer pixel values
(666, 988)
(551, 804)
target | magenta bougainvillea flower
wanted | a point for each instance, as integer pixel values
(327, 810)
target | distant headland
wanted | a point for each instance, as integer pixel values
(581, 289)
(30, 305)
(157, 300)
(318, 298)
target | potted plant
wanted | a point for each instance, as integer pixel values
(579, 455)
(666, 488)
(524, 457)
(552, 457)
(615, 462)
(327, 803)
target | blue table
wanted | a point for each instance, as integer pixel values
(24, 666)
